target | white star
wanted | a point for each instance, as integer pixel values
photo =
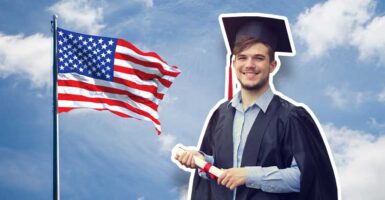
(104, 46)
(108, 76)
(70, 60)
(61, 59)
(60, 33)
(81, 69)
(70, 36)
(103, 55)
(80, 37)
(108, 68)
(85, 42)
(61, 68)
(100, 40)
(90, 39)
(110, 42)
(60, 42)
(60, 51)
(108, 51)
(108, 60)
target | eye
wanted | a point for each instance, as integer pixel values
(241, 58)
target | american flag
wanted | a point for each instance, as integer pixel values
(110, 74)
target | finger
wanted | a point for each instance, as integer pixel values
(225, 180)
(184, 158)
(189, 159)
(221, 177)
(193, 165)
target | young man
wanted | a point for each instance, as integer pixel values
(268, 148)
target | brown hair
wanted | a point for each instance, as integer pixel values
(244, 42)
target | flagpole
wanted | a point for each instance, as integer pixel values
(56, 171)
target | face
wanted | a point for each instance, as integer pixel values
(253, 66)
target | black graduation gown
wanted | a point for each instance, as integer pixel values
(276, 136)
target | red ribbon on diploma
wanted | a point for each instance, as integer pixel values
(206, 169)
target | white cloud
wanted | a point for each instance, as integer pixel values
(370, 39)
(80, 15)
(344, 98)
(183, 192)
(360, 162)
(381, 96)
(167, 142)
(376, 124)
(148, 3)
(330, 24)
(29, 56)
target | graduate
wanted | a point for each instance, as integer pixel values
(269, 147)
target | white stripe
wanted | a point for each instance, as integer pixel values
(122, 98)
(148, 70)
(128, 51)
(155, 82)
(80, 104)
(85, 79)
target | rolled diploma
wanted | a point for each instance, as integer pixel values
(199, 162)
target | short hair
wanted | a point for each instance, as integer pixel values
(245, 42)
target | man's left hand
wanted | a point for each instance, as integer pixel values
(232, 178)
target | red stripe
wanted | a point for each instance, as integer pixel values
(148, 88)
(129, 45)
(142, 75)
(146, 64)
(98, 88)
(73, 97)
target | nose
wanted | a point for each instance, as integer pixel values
(250, 63)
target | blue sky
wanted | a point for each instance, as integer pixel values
(338, 72)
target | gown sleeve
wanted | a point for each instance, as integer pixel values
(304, 141)
(201, 187)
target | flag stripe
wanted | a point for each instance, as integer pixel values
(156, 65)
(108, 84)
(126, 44)
(121, 106)
(123, 98)
(143, 75)
(95, 88)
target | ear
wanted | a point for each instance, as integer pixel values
(273, 65)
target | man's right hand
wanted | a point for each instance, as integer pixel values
(187, 158)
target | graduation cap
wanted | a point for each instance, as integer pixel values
(270, 29)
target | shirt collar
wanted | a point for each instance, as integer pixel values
(262, 102)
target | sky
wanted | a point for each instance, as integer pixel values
(338, 71)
